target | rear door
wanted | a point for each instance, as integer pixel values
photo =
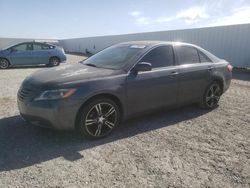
(194, 74)
(156, 88)
(40, 53)
(21, 54)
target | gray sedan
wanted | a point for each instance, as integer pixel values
(122, 81)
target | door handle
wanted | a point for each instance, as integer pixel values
(210, 68)
(174, 73)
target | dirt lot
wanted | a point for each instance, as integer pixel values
(186, 147)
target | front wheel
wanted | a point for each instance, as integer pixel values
(98, 118)
(4, 63)
(211, 96)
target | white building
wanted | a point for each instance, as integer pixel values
(227, 42)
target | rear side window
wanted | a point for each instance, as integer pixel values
(187, 55)
(47, 47)
(203, 57)
(160, 57)
(37, 47)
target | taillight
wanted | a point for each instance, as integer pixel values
(229, 68)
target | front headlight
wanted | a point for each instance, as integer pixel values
(55, 94)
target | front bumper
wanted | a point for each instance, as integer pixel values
(58, 114)
(63, 58)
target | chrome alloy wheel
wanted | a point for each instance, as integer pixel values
(213, 95)
(101, 119)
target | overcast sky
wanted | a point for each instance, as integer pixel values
(83, 18)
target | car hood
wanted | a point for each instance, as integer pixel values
(3, 52)
(68, 73)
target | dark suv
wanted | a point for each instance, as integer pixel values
(121, 81)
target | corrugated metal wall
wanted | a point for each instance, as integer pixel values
(227, 42)
(5, 42)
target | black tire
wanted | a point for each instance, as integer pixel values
(54, 61)
(211, 96)
(4, 63)
(98, 118)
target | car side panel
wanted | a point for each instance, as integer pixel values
(59, 53)
(6, 54)
(194, 78)
(21, 58)
(113, 86)
(221, 73)
(151, 89)
(41, 56)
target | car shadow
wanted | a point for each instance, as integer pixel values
(244, 76)
(23, 145)
(26, 67)
(241, 74)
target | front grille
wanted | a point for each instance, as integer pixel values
(27, 93)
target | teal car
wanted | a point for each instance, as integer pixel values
(31, 53)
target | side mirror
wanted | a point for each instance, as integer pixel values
(142, 66)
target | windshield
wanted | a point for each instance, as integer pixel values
(8, 47)
(114, 57)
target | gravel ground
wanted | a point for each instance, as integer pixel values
(186, 147)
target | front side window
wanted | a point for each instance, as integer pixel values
(160, 57)
(114, 57)
(187, 55)
(22, 47)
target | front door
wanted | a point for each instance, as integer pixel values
(156, 88)
(22, 54)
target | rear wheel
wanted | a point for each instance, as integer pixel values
(211, 96)
(98, 118)
(54, 61)
(4, 63)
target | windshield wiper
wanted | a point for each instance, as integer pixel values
(89, 64)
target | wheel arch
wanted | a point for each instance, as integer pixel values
(55, 56)
(98, 96)
(220, 81)
(5, 59)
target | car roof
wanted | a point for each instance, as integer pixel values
(33, 42)
(150, 44)
(154, 43)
